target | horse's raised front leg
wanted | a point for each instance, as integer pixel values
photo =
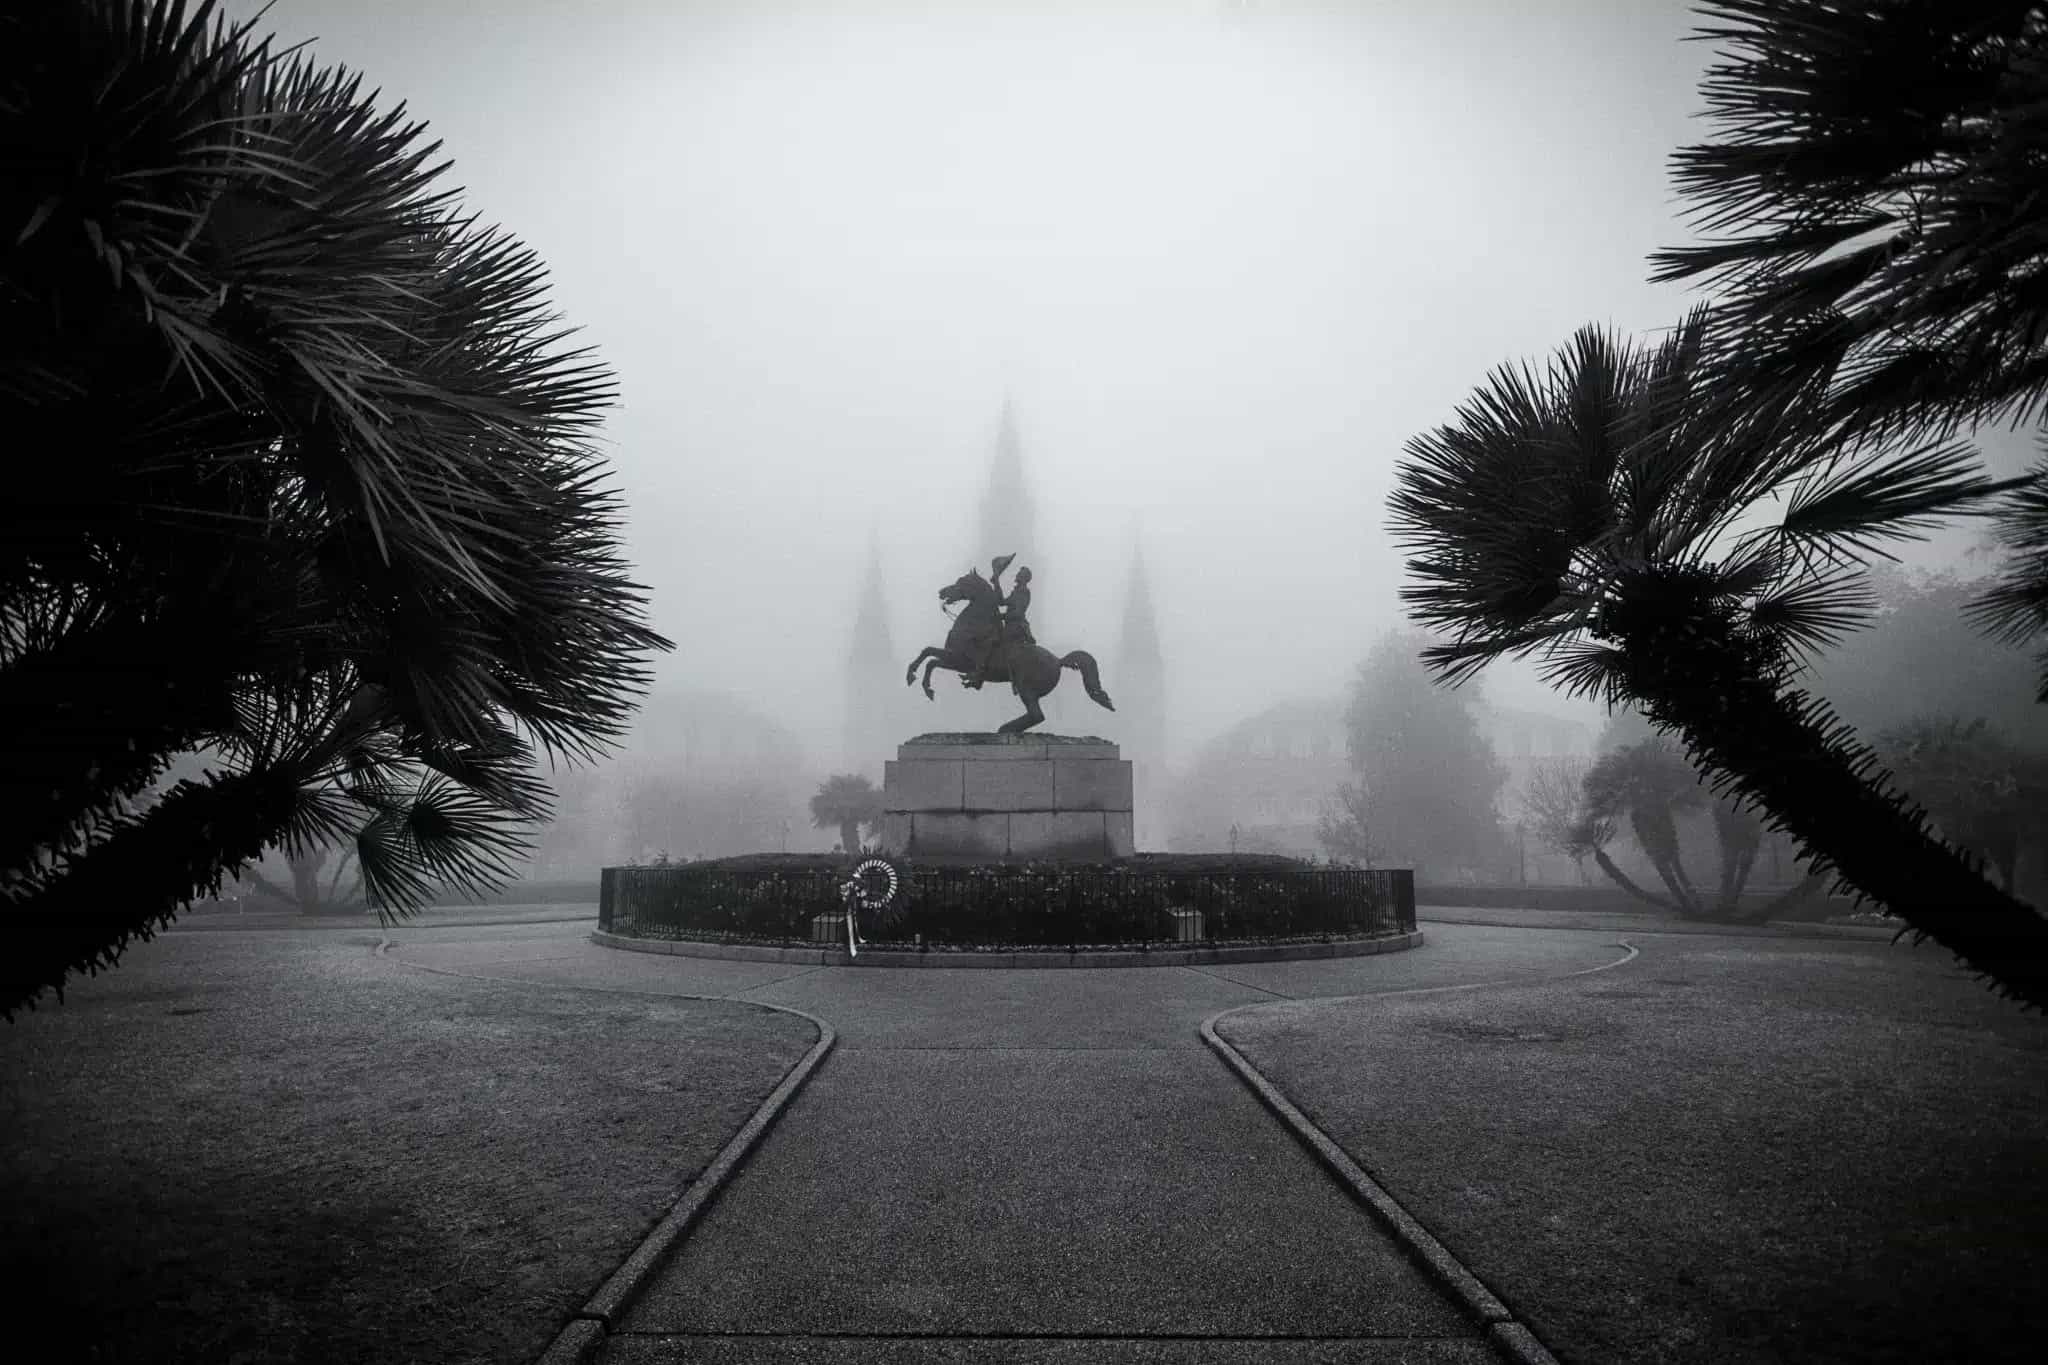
(929, 669)
(910, 674)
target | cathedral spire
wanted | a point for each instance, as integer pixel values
(1008, 518)
(1141, 715)
(874, 718)
(871, 617)
(1139, 647)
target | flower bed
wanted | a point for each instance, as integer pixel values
(957, 907)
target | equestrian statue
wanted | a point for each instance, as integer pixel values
(991, 641)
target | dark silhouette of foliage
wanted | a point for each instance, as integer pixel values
(940, 905)
(1582, 514)
(311, 489)
(1649, 784)
(1876, 236)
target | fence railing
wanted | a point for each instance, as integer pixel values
(1025, 906)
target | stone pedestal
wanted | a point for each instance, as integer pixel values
(1015, 797)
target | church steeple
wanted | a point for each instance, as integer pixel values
(1008, 516)
(874, 686)
(1141, 698)
(871, 618)
(1138, 650)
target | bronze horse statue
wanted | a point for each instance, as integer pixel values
(1031, 669)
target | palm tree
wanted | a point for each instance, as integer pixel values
(1876, 234)
(848, 801)
(1649, 785)
(313, 491)
(306, 892)
(1582, 515)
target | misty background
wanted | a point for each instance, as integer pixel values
(1224, 259)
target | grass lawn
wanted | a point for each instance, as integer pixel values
(1730, 1150)
(277, 1146)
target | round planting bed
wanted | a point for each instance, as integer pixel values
(1149, 910)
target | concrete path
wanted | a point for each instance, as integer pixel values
(1032, 1166)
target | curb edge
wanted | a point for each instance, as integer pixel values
(1507, 1334)
(586, 1333)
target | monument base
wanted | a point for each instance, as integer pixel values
(992, 797)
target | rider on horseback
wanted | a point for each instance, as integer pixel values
(1014, 627)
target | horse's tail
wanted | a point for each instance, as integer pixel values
(1085, 661)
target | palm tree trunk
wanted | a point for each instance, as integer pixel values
(1660, 845)
(1784, 900)
(1802, 765)
(1621, 880)
(267, 887)
(341, 866)
(306, 880)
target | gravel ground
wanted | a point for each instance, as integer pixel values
(1729, 1150)
(278, 1146)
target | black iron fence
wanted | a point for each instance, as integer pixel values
(1047, 906)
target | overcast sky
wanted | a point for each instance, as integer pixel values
(1226, 259)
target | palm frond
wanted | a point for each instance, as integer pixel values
(2015, 609)
(1582, 668)
(1859, 502)
(1504, 502)
(1903, 235)
(435, 835)
(1809, 613)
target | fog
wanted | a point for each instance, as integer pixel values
(1224, 259)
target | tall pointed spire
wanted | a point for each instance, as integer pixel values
(1139, 646)
(1140, 723)
(871, 618)
(1008, 518)
(874, 689)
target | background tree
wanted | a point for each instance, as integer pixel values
(313, 890)
(1921, 656)
(1875, 234)
(1584, 515)
(1428, 783)
(1550, 800)
(1344, 829)
(848, 801)
(1649, 784)
(309, 454)
(1985, 793)
(1646, 785)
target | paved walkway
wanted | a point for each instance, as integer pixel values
(1032, 1166)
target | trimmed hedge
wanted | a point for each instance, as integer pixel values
(773, 898)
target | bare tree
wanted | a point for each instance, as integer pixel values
(1549, 798)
